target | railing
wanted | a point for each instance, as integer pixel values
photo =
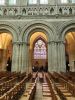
(44, 10)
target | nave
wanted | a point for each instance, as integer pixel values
(37, 86)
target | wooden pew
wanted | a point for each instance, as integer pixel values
(4, 87)
(65, 90)
(30, 92)
(51, 86)
(15, 91)
(3, 97)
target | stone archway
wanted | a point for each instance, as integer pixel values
(50, 32)
(69, 27)
(12, 30)
(5, 50)
(42, 57)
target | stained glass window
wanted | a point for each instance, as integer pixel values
(12, 2)
(40, 50)
(2, 2)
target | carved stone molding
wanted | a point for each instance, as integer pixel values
(57, 42)
(21, 43)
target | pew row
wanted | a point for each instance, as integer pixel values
(30, 91)
(65, 90)
(15, 92)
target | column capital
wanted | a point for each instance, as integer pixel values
(21, 43)
(18, 42)
(57, 42)
(61, 42)
(50, 42)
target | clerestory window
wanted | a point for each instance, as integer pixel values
(64, 1)
(12, 2)
(43, 1)
(32, 1)
(67, 1)
(38, 2)
(73, 1)
(2, 2)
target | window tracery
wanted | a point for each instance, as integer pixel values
(40, 50)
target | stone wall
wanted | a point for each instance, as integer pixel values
(22, 21)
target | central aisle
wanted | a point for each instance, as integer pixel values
(39, 88)
(38, 94)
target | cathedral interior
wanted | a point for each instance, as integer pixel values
(37, 49)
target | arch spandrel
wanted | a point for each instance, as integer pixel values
(35, 26)
(64, 28)
(9, 28)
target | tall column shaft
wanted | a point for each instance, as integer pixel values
(56, 56)
(49, 57)
(61, 57)
(28, 59)
(20, 56)
(52, 56)
(24, 58)
(15, 57)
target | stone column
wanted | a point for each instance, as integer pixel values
(28, 59)
(24, 58)
(58, 57)
(52, 56)
(20, 55)
(49, 57)
(18, 50)
(15, 57)
(61, 57)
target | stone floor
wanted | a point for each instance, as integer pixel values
(38, 94)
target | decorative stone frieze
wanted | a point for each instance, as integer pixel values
(43, 10)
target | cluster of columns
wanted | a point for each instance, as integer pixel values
(56, 56)
(20, 57)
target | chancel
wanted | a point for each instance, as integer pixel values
(37, 49)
